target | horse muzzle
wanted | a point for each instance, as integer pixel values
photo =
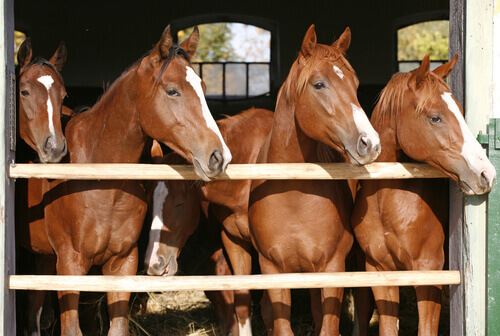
(53, 150)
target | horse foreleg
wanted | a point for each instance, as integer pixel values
(387, 301)
(429, 308)
(118, 302)
(281, 302)
(332, 299)
(70, 263)
(364, 306)
(40, 311)
(316, 309)
(241, 262)
(223, 301)
(266, 311)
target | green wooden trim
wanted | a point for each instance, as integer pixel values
(493, 277)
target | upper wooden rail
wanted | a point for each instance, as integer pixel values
(266, 171)
(100, 283)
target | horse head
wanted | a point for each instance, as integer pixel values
(326, 104)
(174, 96)
(41, 94)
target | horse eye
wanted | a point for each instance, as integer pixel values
(319, 85)
(25, 93)
(179, 205)
(435, 119)
(173, 93)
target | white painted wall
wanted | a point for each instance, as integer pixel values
(478, 111)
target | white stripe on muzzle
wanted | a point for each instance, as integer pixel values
(195, 81)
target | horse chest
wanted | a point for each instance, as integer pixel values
(298, 224)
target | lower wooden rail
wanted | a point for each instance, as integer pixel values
(101, 283)
(266, 171)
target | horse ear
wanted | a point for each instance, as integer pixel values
(59, 57)
(444, 70)
(156, 152)
(423, 70)
(344, 41)
(164, 44)
(24, 54)
(191, 43)
(309, 41)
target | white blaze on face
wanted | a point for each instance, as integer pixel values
(338, 72)
(472, 152)
(195, 82)
(363, 124)
(47, 82)
(159, 196)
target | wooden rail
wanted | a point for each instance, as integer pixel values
(93, 283)
(267, 171)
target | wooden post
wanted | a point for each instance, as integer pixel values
(478, 110)
(7, 106)
(457, 84)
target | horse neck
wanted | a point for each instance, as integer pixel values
(384, 122)
(288, 143)
(110, 131)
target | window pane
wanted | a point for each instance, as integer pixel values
(212, 76)
(419, 39)
(230, 42)
(235, 81)
(196, 68)
(259, 79)
(408, 66)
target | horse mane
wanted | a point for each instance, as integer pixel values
(391, 99)
(40, 61)
(175, 50)
(303, 67)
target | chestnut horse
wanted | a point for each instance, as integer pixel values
(228, 202)
(98, 222)
(399, 223)
(303, 226)
(41, 93)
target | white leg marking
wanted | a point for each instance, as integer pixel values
(338, 72)
(195, 82)
(246, 328)
(472, 152)
(159, 196)
(363, 124)
(47, 82)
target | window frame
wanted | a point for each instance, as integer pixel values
(409, 20)
(269, 25)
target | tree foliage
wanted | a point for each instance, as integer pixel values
(419, 39)
(215, 45)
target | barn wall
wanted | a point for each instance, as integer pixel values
(104, 37)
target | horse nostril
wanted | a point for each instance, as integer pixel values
(485, 180)
(215, 161)
(364, 145)
(48, 144)
(377, 148)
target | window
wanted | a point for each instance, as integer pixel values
(419, 39)
(19, 38)
(233, 59)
